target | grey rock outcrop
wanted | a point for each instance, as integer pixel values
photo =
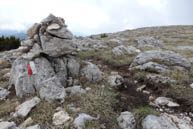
(166, 121)
(149, 42)
(23, 109)
(162, 57)
(126, 120)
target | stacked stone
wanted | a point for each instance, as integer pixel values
(49, 46)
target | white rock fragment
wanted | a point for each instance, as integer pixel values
(23, 109)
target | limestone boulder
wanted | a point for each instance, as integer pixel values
(126, 120)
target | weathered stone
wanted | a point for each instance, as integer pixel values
(3, 93)
(51, 89)
(33, 30)
(115, 80)
(163, 101)
(149, 42)
(8, 125)
(91, 72)
(166, 121)
(164, 57)
(34, 127)
(56, 47)
(125, 50)
(82, 118)
(126, 120)
(61, 118)
(23, 109)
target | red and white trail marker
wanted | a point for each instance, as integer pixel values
(31, 69)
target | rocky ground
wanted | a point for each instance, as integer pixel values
(134, 79)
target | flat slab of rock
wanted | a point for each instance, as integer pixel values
(166, 121)
(126, 120)
(23, 109)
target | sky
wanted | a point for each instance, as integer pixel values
(85, 17)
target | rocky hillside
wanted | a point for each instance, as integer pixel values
(134, 79)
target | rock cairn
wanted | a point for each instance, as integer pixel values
(47, 65)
